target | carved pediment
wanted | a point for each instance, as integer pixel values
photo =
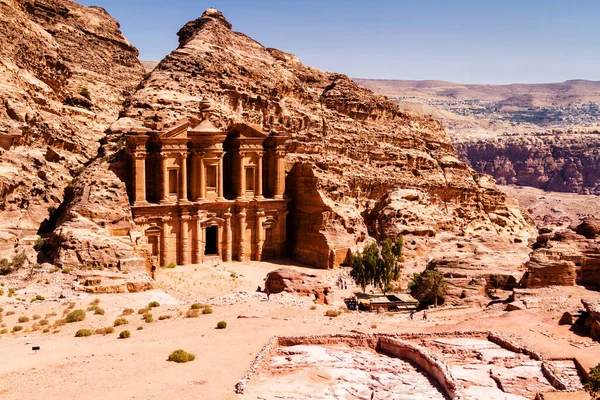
(247, 131)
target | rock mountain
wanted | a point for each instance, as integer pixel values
(359, 169)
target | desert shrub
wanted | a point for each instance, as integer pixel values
(22, 319)
(221, 325)
(104, 331)
(5, 268)
(52, 314)
(120, 321)
(92, 308)
(95, 302)
(86, 93)
(143, 310)
(192, 313)
(163, 317)
(128, 311)
(18, 260)
(46, 330)
(9, 313)
(38, 298)
(207, 310)
(313, 307)
(171, 265)
(139, 328)
(17, 328)
(124, 335)
(429, 287)
(153, 304)
(196, 306)
(181, 356)
(83, 333)
(373, 326)
(3, 331)
(44, 322)
(75, 316)
(59, 322)
(1, 293)
(11, 291)
(39, 244)
(36, 317)
(148, 317)
(71, 305)
(332, 313)
(99, 311)
(592, 385)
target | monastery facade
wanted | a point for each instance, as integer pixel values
(200, 193)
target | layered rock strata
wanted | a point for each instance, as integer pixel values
(348, 148)
(65, 70)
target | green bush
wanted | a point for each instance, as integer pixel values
(95, 302)
(86, 93)
(171, 265)
(140, 328)
(207, 310)
(128, 311)
(332, 313)
(75, 316)
(180, 356)
(221, 325)
(83, 333)
(592, 385)
(153, 304)
(196, 306)
(125, 335)
(192, 313)
(5, 268)
(120, 321)
(98, 311)
(148, 317)
(23, 319)
(39, 244)
(143, 310)
(18, 260)
(104, 331)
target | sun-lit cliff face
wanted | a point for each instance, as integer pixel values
(348, 148)
(65, 70)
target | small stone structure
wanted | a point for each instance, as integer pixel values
(198, 192)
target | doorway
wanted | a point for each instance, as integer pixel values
(211, 241)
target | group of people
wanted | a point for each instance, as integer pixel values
(412, 314)
(341, 283)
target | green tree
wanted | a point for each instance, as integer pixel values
(429, 286)
(378, 268)
(593, 383)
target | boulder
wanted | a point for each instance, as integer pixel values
(300, 283)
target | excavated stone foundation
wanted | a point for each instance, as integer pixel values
(454, 365)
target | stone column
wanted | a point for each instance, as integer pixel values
(139, 179)
(163, 241)
(185, 247)
(183, 196)
(202, 188)
(258, 177)
(194, 176)
(220, 179)
(282, 231)
(260, 233)
(165, 178)
(198, 247)
(227, 256)
(242, 230)
(279, 174)
(241, 192)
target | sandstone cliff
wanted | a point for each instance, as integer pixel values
(65, 70)
(357, 165)
(554, 160)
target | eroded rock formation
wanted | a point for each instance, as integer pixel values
(348, 147)
(300, 283)
(554, 160)
(65, 70)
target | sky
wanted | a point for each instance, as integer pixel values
(465, 41)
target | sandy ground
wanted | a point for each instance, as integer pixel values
(105, 367)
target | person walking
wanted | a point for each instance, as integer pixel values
(424, 315)
(268, 294)
(412, 314)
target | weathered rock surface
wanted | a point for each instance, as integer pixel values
(592, 322)
(566, 257)
(348, 147)
(300, 283)
(65, 70)
(554, 160)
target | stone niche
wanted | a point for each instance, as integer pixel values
(200, 193)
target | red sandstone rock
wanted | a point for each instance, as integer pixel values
(292, 281)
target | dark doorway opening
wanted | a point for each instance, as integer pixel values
(211, 241)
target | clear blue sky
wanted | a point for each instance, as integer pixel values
(467, 41)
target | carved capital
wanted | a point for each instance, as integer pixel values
(164, 155)
(139, 154)
(186, 217)
(166, 219)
